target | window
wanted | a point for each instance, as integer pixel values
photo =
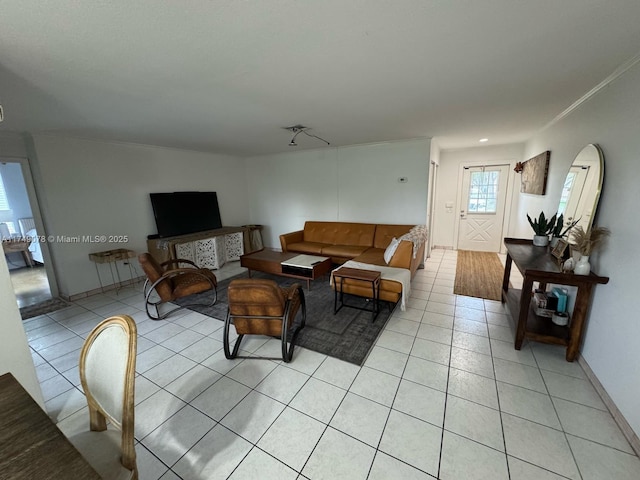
(6, 215)
(483, 192)
(4, 203)
(566, 191)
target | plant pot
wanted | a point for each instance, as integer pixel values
(583, 267)
(540, 240)
(554, 241)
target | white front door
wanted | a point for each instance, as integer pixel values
(482, 205)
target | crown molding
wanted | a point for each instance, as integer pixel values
(594, 91)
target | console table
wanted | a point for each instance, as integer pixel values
(209, 249)
(537, 265)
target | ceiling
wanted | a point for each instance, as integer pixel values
(226, 75)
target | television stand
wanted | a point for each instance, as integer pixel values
(208, 249)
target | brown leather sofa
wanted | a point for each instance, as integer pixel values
(361, 242)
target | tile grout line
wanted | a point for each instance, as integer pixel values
(446, 395)
(504, 437)
(564, 433)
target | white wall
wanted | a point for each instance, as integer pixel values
(12, 145)
(99, 188)
(610, 119)
(15, 356)
(349, 184)
(448, 191)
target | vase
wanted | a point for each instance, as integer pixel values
(540, 240)
(583, 267)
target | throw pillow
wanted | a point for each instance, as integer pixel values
(391, 249)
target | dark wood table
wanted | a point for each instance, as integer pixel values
(270, 261)
(371, 276)
(536, 264)
(31, 446)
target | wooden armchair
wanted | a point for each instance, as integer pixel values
(170, 281)
(261, 307)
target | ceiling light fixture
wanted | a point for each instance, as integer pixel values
(297, 130)
(483, 140)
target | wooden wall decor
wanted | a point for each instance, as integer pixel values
(534, 174)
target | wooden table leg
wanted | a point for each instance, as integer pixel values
(524, 312)
(577, 322)
(27, 258)
(505, 278)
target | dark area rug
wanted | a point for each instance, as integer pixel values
(348, 335)
(479, 274)
(41, 308)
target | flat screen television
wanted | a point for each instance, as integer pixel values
(179, 213)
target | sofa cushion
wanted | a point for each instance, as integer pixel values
(373, 256)
(340, 233)
(306, 247)
(346, 251)
(384, 234)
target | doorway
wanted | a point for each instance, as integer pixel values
(21, 227)
(482, 206)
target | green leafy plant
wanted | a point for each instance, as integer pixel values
(587, 242)
(542, 226)
(557, 231)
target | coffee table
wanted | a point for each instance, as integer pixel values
(287, 264)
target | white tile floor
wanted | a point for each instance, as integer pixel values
(443, 394)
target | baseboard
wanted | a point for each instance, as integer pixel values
(628, 432)
(106, 288)
(441, 247)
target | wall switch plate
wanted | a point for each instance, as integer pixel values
(403, 179)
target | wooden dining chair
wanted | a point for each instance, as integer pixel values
(107, 373)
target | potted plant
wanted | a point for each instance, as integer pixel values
(586, 243)
(542, 227)
(557, 232)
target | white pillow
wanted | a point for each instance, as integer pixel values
(391, 249)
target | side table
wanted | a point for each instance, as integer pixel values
(345, 273)
(22, 246)
(111, 257)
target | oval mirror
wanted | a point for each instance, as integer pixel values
(582, 187)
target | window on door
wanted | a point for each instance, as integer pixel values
(483, 192)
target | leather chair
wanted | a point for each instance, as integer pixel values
(107, 373)
(261, 307)
(170, 282)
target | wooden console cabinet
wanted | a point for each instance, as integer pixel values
(163, 249)
(537, 265)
